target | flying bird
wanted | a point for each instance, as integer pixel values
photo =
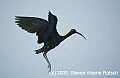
(46, 32)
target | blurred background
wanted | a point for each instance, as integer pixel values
(97, 20)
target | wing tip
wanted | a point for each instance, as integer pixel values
(50, 13)
(17, 17)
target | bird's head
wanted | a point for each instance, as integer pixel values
(73, 31)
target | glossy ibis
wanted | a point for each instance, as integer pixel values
(46, 32)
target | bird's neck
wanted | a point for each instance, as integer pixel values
(67, 35)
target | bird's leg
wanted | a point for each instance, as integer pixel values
(49, 65)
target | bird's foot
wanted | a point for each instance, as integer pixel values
(49, 67)
(38, 51)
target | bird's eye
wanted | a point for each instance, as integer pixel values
(47, 46)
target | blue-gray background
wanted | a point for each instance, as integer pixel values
(97, 20)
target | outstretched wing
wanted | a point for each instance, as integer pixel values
(30, 24)
(33, 25)
(52, 19)
(46, 30)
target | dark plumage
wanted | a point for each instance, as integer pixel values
(46, 32)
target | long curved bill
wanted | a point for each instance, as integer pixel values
(81, 35)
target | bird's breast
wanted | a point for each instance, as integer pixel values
(53, 43)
